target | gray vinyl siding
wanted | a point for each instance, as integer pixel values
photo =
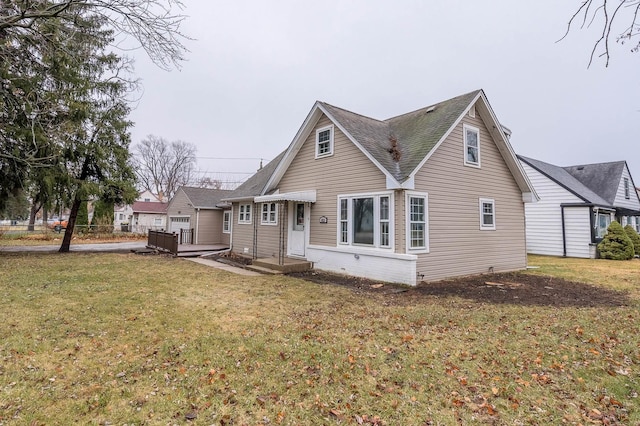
(457, 246)
(242, 233)
(347, 171)
(544, 218)
(179, 206)
(209, 227)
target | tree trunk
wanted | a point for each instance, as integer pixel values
(68, 233)
(32, 217)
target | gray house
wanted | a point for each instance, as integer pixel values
(576, 206)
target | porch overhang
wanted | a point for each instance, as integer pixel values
(299, 196)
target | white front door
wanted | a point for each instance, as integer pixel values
(298, 228)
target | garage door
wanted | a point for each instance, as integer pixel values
(178, 223)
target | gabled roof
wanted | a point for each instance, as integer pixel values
(204, 198)
(415, 135)
(255, 185)
(563, 178)
(150, 207)
(601, 178)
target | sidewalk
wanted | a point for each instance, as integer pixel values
(223, 266)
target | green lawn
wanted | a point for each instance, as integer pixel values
(126, 339)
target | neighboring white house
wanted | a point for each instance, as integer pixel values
(123, 214)
(577, 205)
(148, 215)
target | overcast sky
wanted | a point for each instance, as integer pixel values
(256, 68)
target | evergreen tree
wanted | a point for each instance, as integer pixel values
(635, 238)
(616, 244)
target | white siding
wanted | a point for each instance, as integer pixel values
(544, 218)
(577, 231)
(621, 201)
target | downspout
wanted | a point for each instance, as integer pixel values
(197, 224)
(231, 229)
(564, 237)
(592, 222)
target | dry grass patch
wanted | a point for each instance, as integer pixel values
(111, 338)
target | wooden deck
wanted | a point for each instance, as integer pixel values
(195, 250)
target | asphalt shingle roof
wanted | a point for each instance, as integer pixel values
(566, 179)
(416, 133)
(205, 198)
(149, 207)
(255, 184)
(601, 178)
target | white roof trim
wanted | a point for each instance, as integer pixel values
(300, 196)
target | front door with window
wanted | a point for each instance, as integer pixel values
(298, 229)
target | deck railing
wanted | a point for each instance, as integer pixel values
(163, 240)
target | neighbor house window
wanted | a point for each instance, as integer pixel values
(324, 142)
(226, 222)
(244, 216)
(603, 220)
(487, 214)
(269, 214)
(626, 188)
(157, 221)
(471, 145)
(417, 231)
(365, 220)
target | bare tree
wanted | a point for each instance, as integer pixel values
(153, 23)
(162, 167)
(617, 21)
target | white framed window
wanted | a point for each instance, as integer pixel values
(366, 220)
(417, 222)
(244, 213)
(269, 214)
(626, 188)
(324, 142)
(487, 214)
(157, 221)
(471, 137)
(226, 222)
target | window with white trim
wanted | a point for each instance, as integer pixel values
(487, 214)
(269, 214)
(244, 214)
(365, 220)
(226, 222)
(157, 221)
(471, 145)
(417, 225)
(626, 188)
(324, 142)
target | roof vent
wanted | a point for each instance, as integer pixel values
(580, 168)
(431, 109)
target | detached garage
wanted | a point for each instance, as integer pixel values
(200, 210)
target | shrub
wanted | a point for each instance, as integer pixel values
(616, 244)
(635, 238)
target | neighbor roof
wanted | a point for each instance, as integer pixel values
(563, 177)
(601, 178)
(149, 207)
(205, 198)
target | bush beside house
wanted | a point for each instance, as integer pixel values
(635, 238)
(616, 244)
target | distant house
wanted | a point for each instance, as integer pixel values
(202, 210)
(148, 215)
(577, 204)
(123, 214)
(426, 195)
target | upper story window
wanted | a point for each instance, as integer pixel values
(626, 188)
(244, 215)
(324, 142)
(487, 214)
(226, 222)
(269, 214)
(365, 220)
(471, 145)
